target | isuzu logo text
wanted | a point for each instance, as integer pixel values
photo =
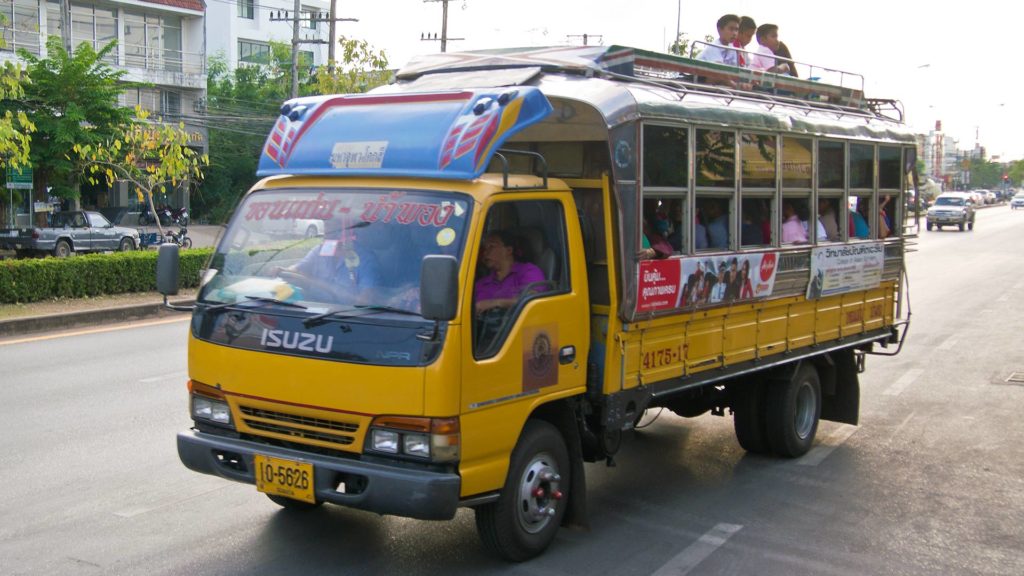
(303, 341)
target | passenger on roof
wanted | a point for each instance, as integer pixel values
(722, 52)
(782, 55)
(747, 29)
(764, 59)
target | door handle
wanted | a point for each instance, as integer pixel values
(567, 354)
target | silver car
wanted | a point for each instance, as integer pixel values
(1017, 201)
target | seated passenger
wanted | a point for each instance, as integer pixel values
(722, 51)
(508, 276)
(793, 229)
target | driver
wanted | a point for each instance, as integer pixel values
(508, 276)
(340, 264)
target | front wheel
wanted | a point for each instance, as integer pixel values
(523, 522)
(961, 226)
(186, 242)
(929, 226)
(127, 244)
(793, 411)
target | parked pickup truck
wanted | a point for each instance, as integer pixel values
(70, 232)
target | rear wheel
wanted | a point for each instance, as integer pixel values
(524, 520)
(793, 410)
(749, 417)
(62, 249)
(311, 231)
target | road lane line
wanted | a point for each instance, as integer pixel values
(697, 552)
(948, 344)
(93, 331)
(827, 445)
(899, 428)
(171, 376)
(906, 380)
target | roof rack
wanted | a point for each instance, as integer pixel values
(500, 154)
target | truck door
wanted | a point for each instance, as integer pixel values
(103, 236)
(530, 327)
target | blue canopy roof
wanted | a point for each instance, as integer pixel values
(449, 135)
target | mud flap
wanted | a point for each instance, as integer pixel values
(842, 402)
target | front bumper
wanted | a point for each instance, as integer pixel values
(385, 489)
(947, 218)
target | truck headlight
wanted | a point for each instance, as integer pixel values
(208, 404)
(434, 439)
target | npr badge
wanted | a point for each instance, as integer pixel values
(540, 364)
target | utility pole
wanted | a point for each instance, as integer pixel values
(296, 19)
(586, 37)
(444, 27)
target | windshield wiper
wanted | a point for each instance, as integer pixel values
(351, 313)
(260, 299)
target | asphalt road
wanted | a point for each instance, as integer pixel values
(931, 482)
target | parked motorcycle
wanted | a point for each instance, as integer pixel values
(180, 216)
(181, 238)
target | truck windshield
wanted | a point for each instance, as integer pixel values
(334, 250)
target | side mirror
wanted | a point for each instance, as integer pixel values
(439, 294)
(167, 264)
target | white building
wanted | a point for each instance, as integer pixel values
(240, 31)
(161, 43)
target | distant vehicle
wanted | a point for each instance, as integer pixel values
(1017, 201)
(952, 208)
(294, 228)
(70, 232)
(990, 197)
(977, 197)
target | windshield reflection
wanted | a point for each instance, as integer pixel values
(332, 250)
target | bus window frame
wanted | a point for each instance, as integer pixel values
(660, 192)
(729, 194)
(759, 192)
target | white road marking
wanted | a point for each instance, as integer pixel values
(906, 380)
(901, 426)
(173, 376)
(827, 445)
(695, 553)
(948, 344)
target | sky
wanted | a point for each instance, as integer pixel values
(959, 65)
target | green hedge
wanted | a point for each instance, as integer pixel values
(91, 275)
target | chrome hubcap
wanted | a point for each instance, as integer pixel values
(539, 493)
(804, 411)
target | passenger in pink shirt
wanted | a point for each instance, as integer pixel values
(508, 278)
(793, 230)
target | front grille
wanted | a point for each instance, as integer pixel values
(298, 428)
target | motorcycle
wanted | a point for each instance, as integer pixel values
(163, 212)
(181, 238)
(180, 216)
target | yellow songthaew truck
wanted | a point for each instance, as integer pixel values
(500, 261)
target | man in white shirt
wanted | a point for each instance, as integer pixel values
(722, 51)
(764, 58)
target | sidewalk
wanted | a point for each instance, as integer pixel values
(24, 319)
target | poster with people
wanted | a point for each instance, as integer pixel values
(841, 269)
(707, 280)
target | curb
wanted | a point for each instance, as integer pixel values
(101, 316)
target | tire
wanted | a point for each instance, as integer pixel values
(793, 410)
(961, 226)
(749, 417)
(311, 231)
(127, 245)
(186, 242)
(518, 526)
(62, 249)
(293, 505)
(929, 226)
(938, 226)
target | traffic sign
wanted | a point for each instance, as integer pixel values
(20, 180)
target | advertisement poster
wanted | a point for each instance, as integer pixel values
(840, 269)
(688, 282)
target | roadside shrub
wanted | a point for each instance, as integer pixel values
(91, 275)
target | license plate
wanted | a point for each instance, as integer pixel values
(286, 478)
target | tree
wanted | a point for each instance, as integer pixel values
(681, 47)
(359, 70)
(149, 155)
(73, 100)
(15, 126)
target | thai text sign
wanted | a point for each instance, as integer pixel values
(841, 269)
(704, 280)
